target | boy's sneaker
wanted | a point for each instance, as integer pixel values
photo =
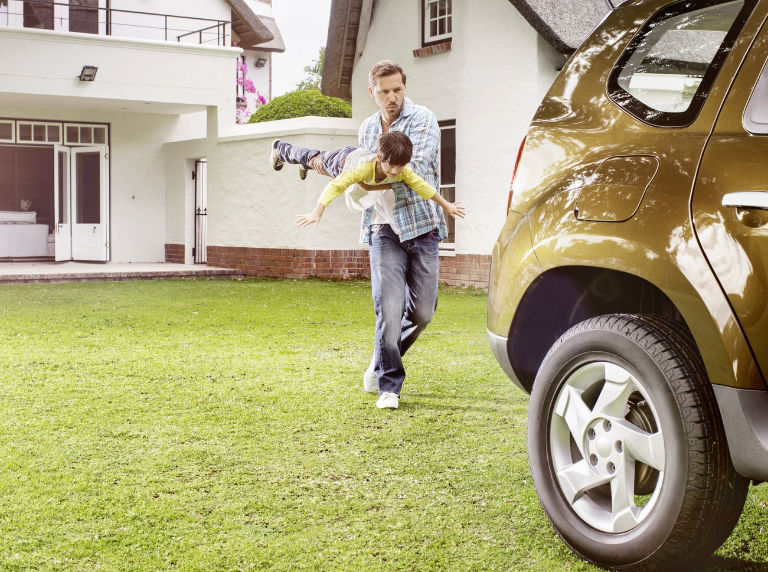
(370, 381)
(302, 172)
(274, 157)
(388, 400)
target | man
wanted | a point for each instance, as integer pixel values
(403, 231)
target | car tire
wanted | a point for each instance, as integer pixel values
(627, 448)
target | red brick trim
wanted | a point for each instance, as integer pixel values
(433, 49)
(466, 270)
(460, 270)
(174, 253)
(292, 263)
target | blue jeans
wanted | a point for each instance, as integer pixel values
(404, 283)
(333, 161)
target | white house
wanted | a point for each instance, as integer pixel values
(90, 91)
(482, 67)
(115, 157)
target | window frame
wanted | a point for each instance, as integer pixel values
(32, 124)
(12, 123)
(82, 128)
(658, 118)
(757, 98)
(85, 20)
(448, 248)
(426, 38)
(28, 11)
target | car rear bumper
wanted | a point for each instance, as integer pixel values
(499, 347)
(745, 417)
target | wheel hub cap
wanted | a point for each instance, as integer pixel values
(597, 476)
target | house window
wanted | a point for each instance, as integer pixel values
(37, 132)
(448, 178)
(85, 134)
(437, 18)
(84, 16)
(7, 131)
(38, 14)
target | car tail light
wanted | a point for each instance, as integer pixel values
(514, 172)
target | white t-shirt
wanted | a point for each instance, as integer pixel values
(358, 199)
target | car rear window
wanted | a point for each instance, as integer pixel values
(667, 70)
(756, 113)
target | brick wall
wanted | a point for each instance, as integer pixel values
(460, 270)
(174, 253)
(292, 263)
(465, 270)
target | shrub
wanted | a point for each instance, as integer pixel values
(301, 104)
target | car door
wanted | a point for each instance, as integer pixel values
(730, 198)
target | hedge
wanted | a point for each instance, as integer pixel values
(302, 103)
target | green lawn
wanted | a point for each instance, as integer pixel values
(216, 424)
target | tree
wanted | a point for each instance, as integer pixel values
(314, 72)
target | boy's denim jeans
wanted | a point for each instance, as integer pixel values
(404, 283)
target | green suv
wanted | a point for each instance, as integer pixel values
(629, 285)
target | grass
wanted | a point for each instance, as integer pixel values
(215, 424)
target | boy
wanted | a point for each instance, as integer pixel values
(351, 166)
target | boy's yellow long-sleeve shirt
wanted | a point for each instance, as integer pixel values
(366, 173)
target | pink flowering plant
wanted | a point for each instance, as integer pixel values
(244, 110)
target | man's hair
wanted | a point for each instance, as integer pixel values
(395, 148)
(383, 69)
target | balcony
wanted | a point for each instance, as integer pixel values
(100, 18)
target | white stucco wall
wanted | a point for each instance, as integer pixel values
(251, 205)
(491, 83)
(167, 77)
(155, 21)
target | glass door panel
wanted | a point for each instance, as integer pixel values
(89, 203)
(63, 228)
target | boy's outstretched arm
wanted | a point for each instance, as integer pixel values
(313, 217)
(427, 192)
(454, 209)
(331, 191)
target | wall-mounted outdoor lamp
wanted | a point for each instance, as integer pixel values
(259, 63)
(88, 73)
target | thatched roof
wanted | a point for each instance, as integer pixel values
(565, 24)
(255, 31)
(347, 31)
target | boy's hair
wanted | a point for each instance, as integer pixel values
(383, 69)
(395, 148)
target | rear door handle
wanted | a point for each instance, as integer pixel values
(747, 200)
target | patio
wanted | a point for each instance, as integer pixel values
(24, 272)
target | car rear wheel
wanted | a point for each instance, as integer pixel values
(627, 448)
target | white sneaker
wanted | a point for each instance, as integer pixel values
(388, 400)
(370, 381)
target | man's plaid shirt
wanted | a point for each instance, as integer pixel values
(413, 215)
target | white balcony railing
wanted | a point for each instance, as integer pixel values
(89, 16)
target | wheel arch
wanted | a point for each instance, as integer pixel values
(564, 296)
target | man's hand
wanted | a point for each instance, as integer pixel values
(316, 163)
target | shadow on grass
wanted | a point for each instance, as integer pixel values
(720, 564)
(434, 401)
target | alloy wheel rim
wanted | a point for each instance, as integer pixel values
(600, 446)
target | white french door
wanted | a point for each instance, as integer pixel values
(81, 203)
(62, 212)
